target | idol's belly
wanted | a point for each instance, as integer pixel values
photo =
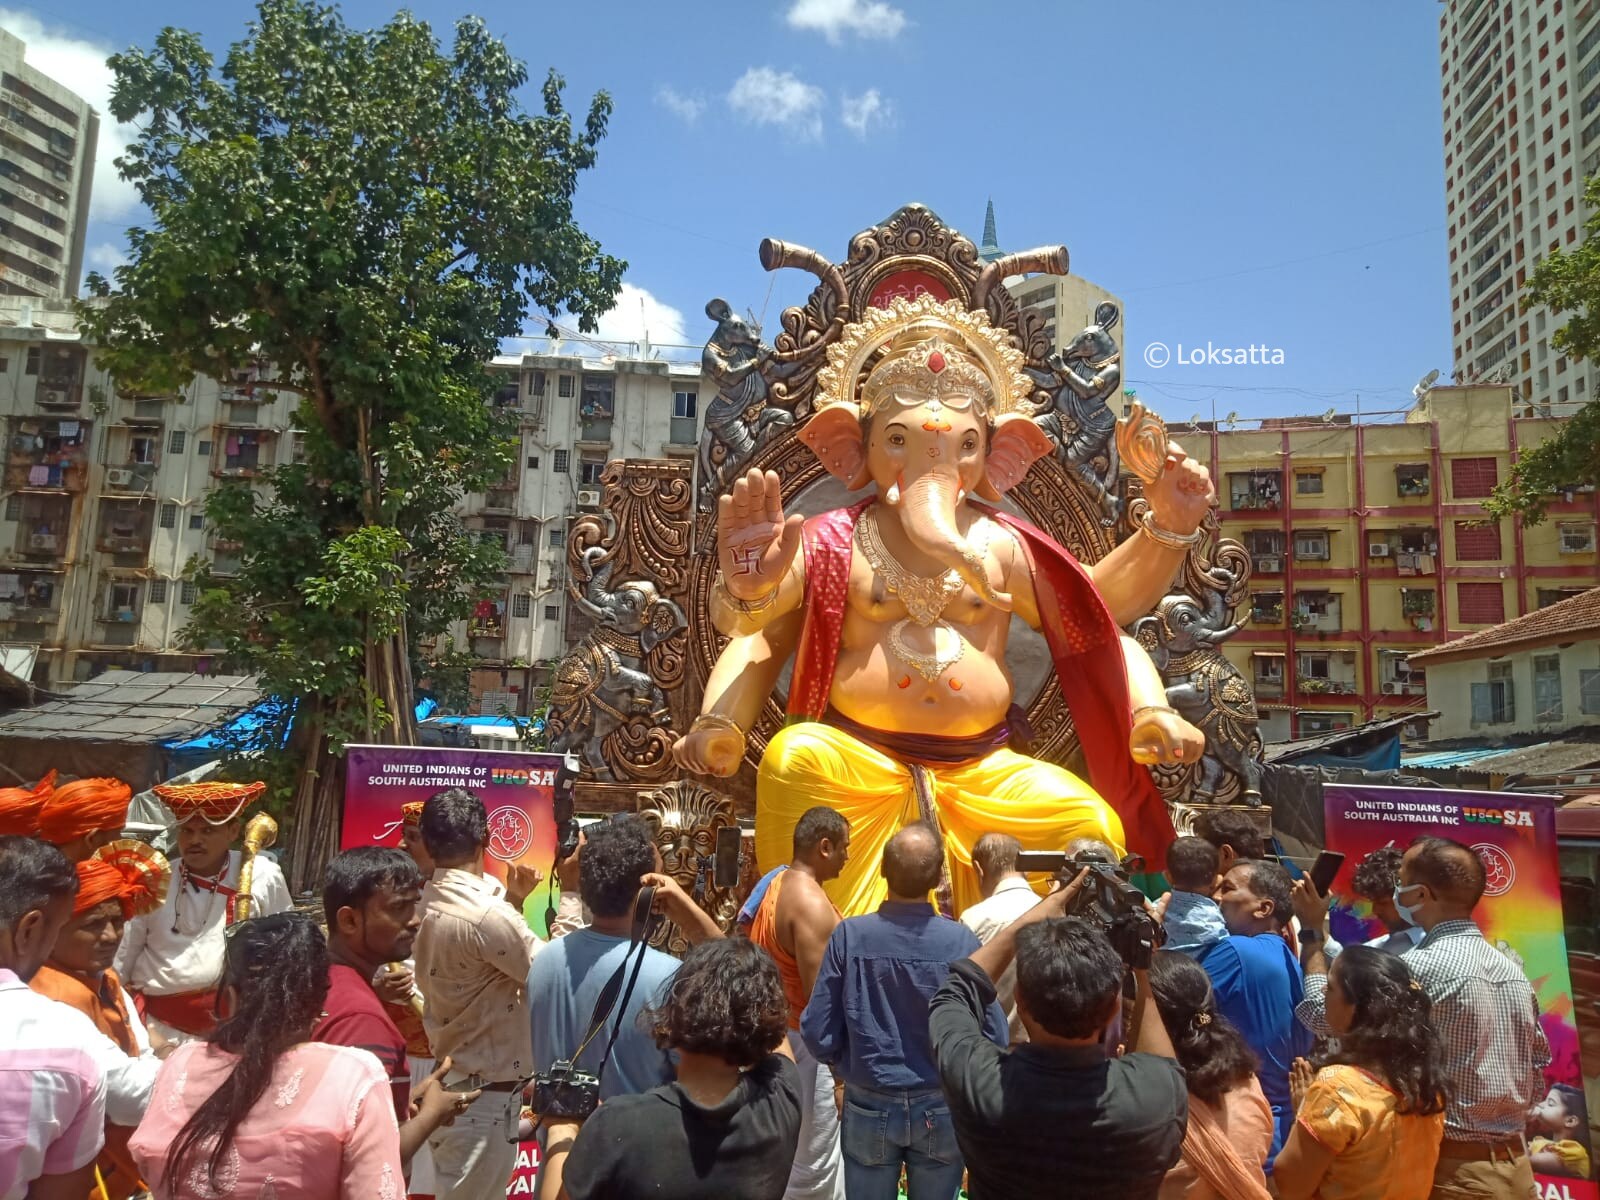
(935, 692)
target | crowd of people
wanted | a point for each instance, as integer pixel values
(154, 1040)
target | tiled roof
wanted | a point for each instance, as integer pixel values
(1574, 617)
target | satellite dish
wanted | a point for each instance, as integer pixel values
(1194, 421)
(1327, 417)
(1424, 385)
(1232, 419)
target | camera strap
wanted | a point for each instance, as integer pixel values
(614, 989)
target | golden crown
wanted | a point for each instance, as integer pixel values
(925, 347)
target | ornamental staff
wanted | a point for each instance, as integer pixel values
(171, 958)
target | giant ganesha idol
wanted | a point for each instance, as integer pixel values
(900, 695)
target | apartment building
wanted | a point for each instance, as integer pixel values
(1521, 100)
(575, 414)
(102, 500)
(1369, 542)
(47, 145)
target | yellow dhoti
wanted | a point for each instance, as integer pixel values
(807, 764)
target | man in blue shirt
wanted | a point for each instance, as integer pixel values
(868, 1020)
(568, 975)
(1257, 978)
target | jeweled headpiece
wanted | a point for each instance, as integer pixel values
(916, 348)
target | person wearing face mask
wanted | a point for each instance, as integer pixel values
(1488, 1019)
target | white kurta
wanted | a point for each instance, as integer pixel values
(156, 960)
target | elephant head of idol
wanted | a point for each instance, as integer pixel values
(927, 401)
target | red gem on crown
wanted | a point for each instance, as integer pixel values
(936, 362)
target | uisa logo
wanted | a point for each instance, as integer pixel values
(514, 777)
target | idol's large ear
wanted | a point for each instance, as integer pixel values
(1016, 444)
(835, 437)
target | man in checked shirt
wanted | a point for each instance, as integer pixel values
(1488, 1019)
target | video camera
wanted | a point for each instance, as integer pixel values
(1108, 899)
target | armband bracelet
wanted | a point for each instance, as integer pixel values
(1165, 537)
(716, 721)
(748, 607)
(1147, 708)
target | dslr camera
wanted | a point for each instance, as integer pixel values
(564, 1092)
(1108, 899)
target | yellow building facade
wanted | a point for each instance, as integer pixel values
(1368, 542)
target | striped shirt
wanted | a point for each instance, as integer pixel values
(52, 1092)
(1488, 1019)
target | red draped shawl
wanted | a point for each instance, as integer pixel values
(1083, 641)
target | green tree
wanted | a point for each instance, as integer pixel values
(359, 218)
(1563, 283)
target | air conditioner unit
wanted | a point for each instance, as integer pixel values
(52, 396)
(1378, 550)
(1269, 565)
(119, 477)
(1391, 688)
(588, 498)
(42, 541)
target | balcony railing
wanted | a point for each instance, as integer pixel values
(1270, 689)
(125, 543)
(34, 473)
(1326, 687)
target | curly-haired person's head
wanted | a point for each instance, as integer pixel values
(1212, 1053)
(727, 1001)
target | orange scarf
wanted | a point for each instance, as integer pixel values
(1207, 1149)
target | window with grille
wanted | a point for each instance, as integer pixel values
(1549, 596)
(197, 520)
(1577, 537)
(188, 592)
(1480, 603)
(1478, 541)
(13, 508)
(536, 387)
(169, 516)
(590, 472)
(158, 591)
(558, 538)
(1589, 692)
(202, 449)
(1324, 722)
(1311, 545)
(1308, 483)
(1472, 478)
(552, 612)
(35, 356)
(521, 605)
(559, 463)
(566, 385)
(179, 439)
(533, 462)
(1547, 688)
(1494, 701)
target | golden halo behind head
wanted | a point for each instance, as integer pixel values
(940, 346)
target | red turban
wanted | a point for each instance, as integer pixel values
(19, 806)
(76, 810)
(126, 871)
(214, 802)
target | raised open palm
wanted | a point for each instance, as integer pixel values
(755, 543)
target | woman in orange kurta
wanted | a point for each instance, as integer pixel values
(1369, 1122)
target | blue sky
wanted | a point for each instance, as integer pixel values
(1249, 172)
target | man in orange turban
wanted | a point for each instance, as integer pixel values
(83, 816)
(19, 806)
(131, 878)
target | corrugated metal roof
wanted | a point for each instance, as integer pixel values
(136, 706)
(1450, 758)
(1543, 758)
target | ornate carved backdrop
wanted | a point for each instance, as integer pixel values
(644, 567)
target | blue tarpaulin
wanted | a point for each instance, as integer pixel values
(245, 730)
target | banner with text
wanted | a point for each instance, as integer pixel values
(1515, 836)
(517, 790)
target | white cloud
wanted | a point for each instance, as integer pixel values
(835, 18)
(861, 114)
(764, 96)
(636, 314)
(80, 66)
(106, 257)
(686, 108)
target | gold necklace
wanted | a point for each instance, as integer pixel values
(929, 666)
(925, 599)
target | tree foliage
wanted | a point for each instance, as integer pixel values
(356, 218)
(1564, 283)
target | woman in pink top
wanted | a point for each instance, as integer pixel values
(259, 1112)
(1229, 1135)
